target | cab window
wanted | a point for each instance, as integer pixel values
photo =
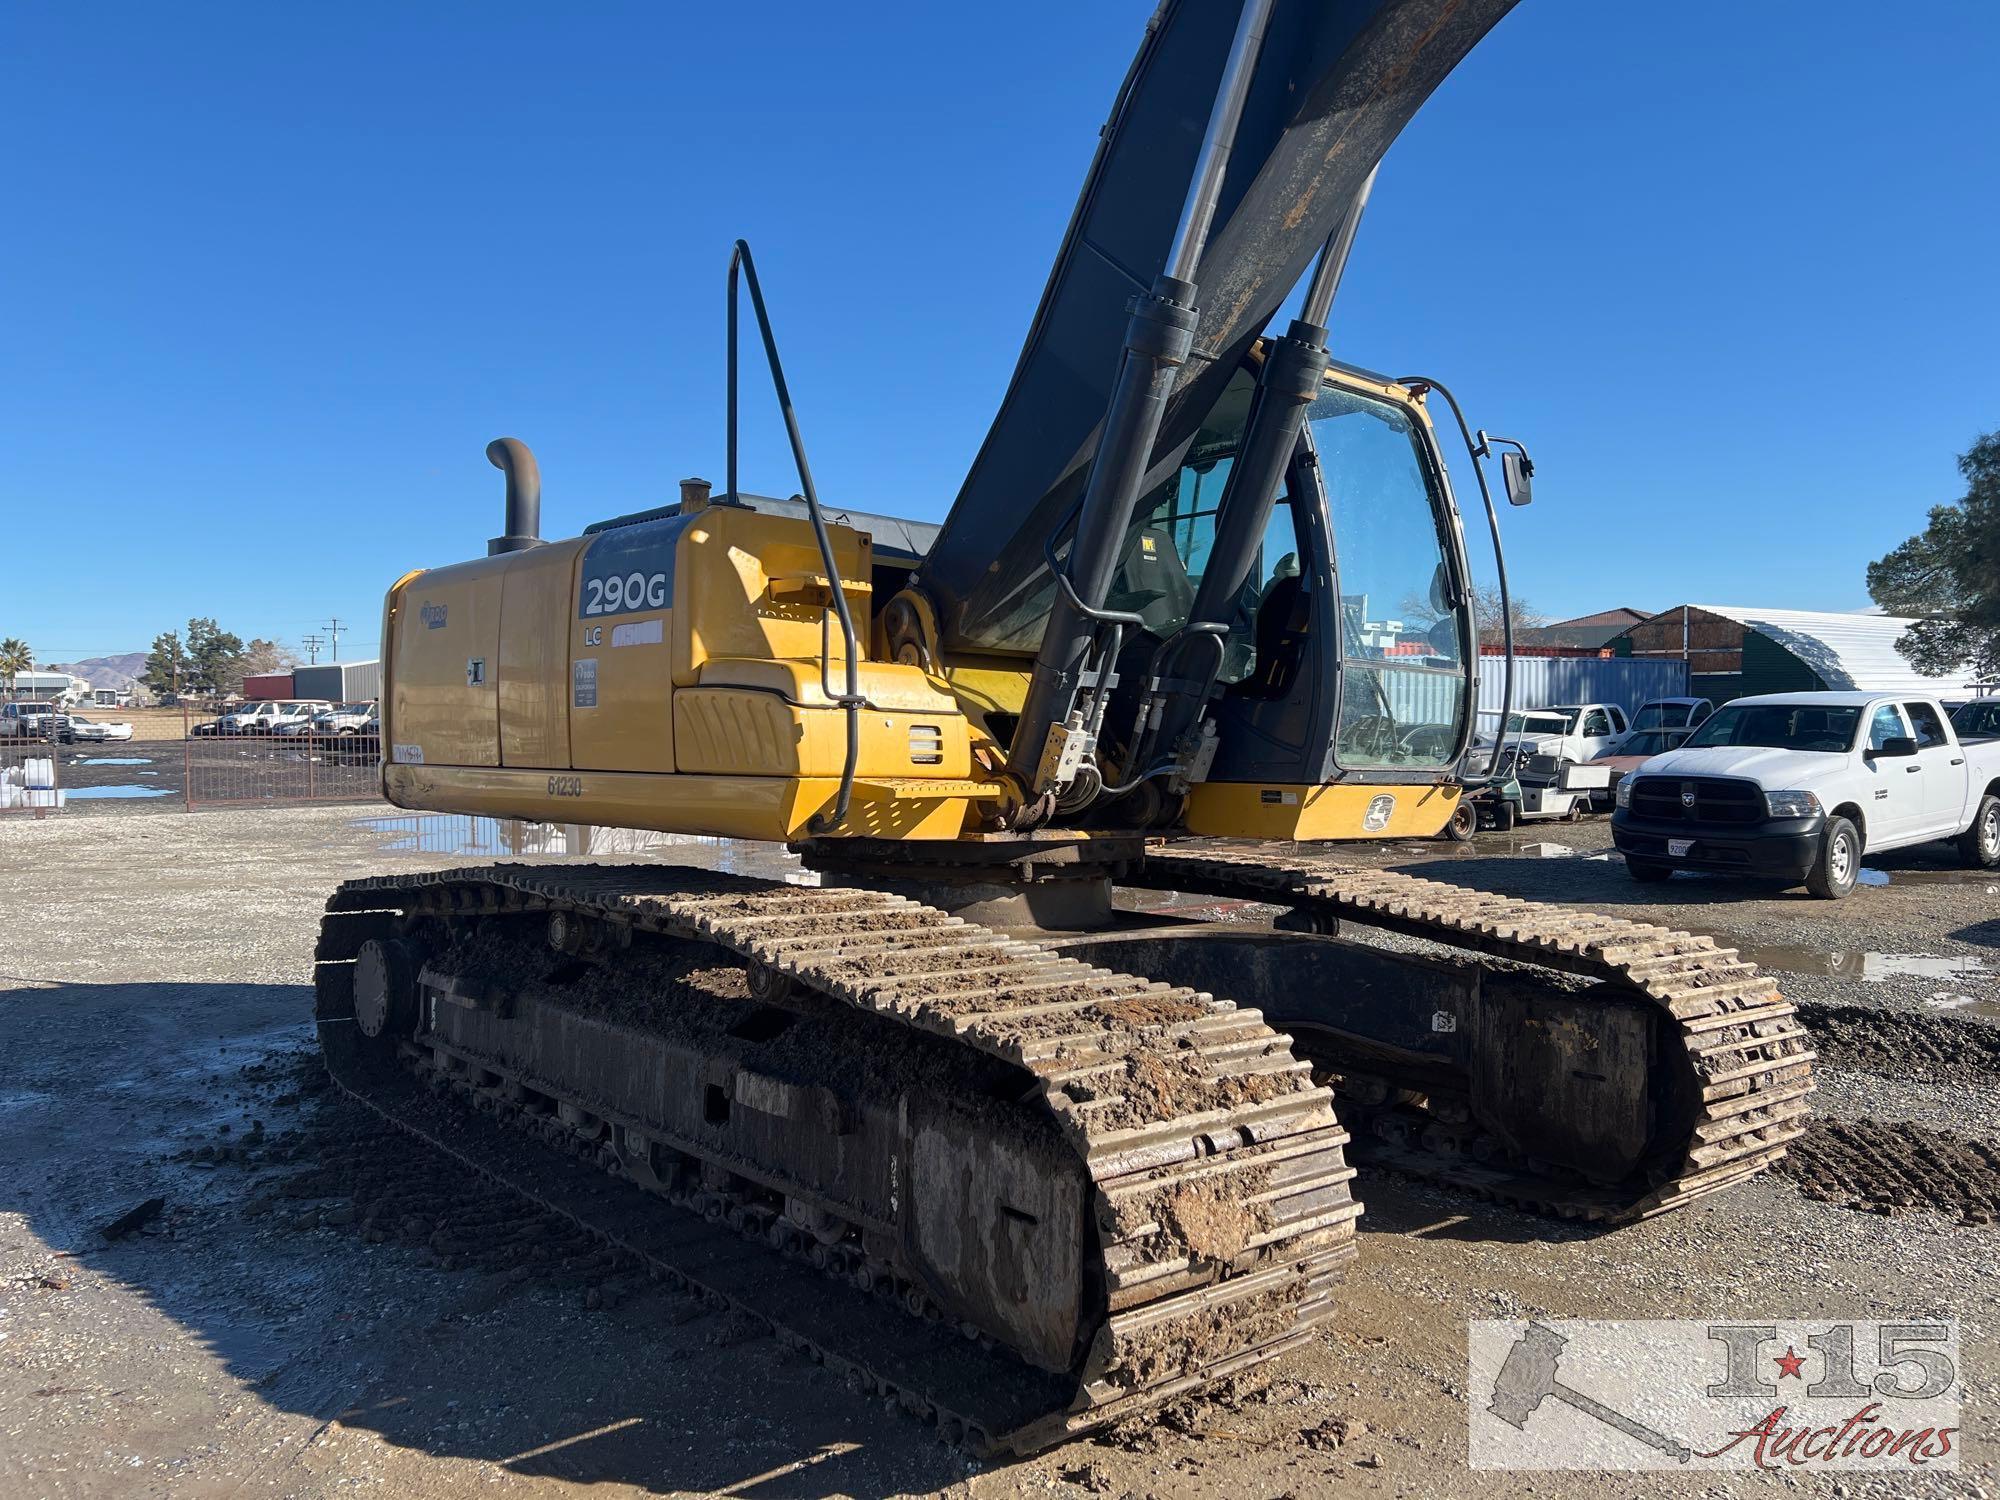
(1887, 725)
(1167, 551)
(1596, 723)
(1977, 720)
(1928, 726)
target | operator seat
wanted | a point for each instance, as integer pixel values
(1282, 619)
(1152, 581)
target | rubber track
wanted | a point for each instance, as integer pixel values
(1752, 1066)
(1242, 1121)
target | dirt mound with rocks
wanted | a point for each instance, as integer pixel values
(1903, 1042)
(1885, 1167)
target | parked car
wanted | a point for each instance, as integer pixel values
(1798, 786)
(1671, 713)
(269, 716)
(340, 718)
(79, 730)
(247, 718)
(297, 714)
(1638, 747)
(31, 720)
(363, 746)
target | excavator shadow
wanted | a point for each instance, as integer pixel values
(1986, 934)
(288, 1296)
(1395, 1207)
(1596, 884)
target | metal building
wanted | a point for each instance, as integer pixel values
(339, 681)
(1735, 651)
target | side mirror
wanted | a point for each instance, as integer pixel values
(1898, 747)
(1517, 471)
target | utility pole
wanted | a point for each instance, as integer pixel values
(312, 644)
(333, 636)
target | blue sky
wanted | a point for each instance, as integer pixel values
(273, 275)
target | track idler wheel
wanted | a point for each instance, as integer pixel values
(768, 986)
(385, 987)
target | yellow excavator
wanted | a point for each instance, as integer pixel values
(978, 1118)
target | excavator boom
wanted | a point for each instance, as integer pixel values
(1332, 86)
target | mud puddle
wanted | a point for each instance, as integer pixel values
(1969, 985)
(1865, 964)
(1988, 878)
(1547, 849)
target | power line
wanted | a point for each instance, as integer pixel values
(312, 644)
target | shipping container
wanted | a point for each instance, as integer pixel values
(1542, 680)
(339, 681)
(260, 687)
(1419, 698)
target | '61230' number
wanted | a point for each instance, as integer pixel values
(565, 786)
(608, 596)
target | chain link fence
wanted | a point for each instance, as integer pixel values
(51, 762)
(235, 769)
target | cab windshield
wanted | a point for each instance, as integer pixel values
(1402, 639)
(1663, 716)
(1780, 726)
(1546, 721)
(1167, 548)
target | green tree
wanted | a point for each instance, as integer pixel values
(217, 657)
(15, 658)
(1948, 575)
(167, 667)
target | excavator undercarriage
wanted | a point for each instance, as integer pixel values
(1032, 1185)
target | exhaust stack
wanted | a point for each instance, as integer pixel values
(524, 496)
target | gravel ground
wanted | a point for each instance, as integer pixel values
(284, 1327)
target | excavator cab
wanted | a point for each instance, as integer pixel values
(1345, 649)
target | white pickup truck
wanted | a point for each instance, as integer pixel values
(1799, 786)
(1572, 732)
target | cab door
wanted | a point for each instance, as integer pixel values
(1596, 734)
(1896, 802)
(1942, 778)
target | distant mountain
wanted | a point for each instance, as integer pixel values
(117, 672)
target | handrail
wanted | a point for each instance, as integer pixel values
(1491, 774)
(853, 700)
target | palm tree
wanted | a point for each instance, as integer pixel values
(15, 658)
